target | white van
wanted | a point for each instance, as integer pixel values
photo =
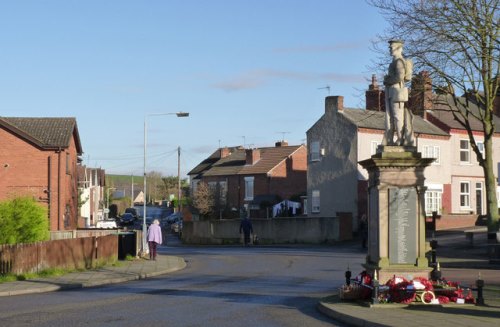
(106, 224)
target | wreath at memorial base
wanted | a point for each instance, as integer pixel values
(401, 290)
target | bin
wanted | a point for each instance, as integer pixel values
(126, 245)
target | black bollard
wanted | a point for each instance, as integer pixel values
(436, 273)
(480, 285)
(434, 244)
(348, 277)
(376, 284)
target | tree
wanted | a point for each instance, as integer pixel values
(23, 220)
(457, 43)
(203, 199)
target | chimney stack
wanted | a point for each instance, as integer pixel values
(374, 97)
(281, 143)
(334, 104)
(224, 152)
(420, 94)
(252, 156)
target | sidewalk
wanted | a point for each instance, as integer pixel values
(459, 263)
(124, 271)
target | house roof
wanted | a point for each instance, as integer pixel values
(376, 120)
(44, 132)
(208, 162)
(235, 162)
(442, 112)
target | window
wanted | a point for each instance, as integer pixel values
(464, 151)
(249, 188)
(465, 195)
(433, 196)
(374, 146)
(223, 192)
(432, 151)
(314, 154)
(480, 146)
(315, 201)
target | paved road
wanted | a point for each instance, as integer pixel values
(221, 286)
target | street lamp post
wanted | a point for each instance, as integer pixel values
(144, 230)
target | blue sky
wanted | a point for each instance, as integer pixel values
(249, 72)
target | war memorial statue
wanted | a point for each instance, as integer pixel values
(398, 120)
(396, 215)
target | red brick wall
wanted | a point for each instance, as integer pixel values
(455, 221)
(446, 198)
(25, 170)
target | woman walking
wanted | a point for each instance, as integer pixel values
(154, 238)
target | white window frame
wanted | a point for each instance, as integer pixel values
(432, 151)
(249, 188)
(465, 151)
(315, 201)
(480, 146)
(433, 198)
(465, 195)
(315, 154)
(374, 146)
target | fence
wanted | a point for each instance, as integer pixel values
(65, 234)
(75, 253)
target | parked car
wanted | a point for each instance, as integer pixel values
(127, 219)
(176, 216)
(133, 211)
(149, 220)
(108, 223)
(176, 227)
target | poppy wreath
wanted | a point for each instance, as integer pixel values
(365, 279)
(398, 290)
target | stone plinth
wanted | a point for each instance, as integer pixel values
(396, 213)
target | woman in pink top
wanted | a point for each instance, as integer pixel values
(154, 238)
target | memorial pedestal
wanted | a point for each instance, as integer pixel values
(396, 213)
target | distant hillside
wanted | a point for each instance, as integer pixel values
(124, 183)
(121, 180)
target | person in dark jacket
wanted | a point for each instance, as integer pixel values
(247, 229)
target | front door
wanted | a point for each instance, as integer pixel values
(479, 198)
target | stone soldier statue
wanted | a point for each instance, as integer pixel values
(398, 119)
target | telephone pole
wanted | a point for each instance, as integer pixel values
(179, 179)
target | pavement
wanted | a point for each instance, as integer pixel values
(122, 271)
(460, 262)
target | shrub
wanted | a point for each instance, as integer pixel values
(23, 220)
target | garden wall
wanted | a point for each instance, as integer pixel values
(306, 230)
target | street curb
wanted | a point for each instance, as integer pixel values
(179, 264)
(344, 318)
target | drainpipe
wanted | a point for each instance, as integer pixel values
(49, 184)
(59, 189)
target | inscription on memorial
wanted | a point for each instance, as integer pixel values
(402, 225)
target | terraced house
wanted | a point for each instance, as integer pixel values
(39, 158)
(254, 179)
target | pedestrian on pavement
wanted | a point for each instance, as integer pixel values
(247, 229)
(154, 238)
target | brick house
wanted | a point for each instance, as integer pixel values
(254, 179)
(336, 183)
(38, 158)
(342, 137)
